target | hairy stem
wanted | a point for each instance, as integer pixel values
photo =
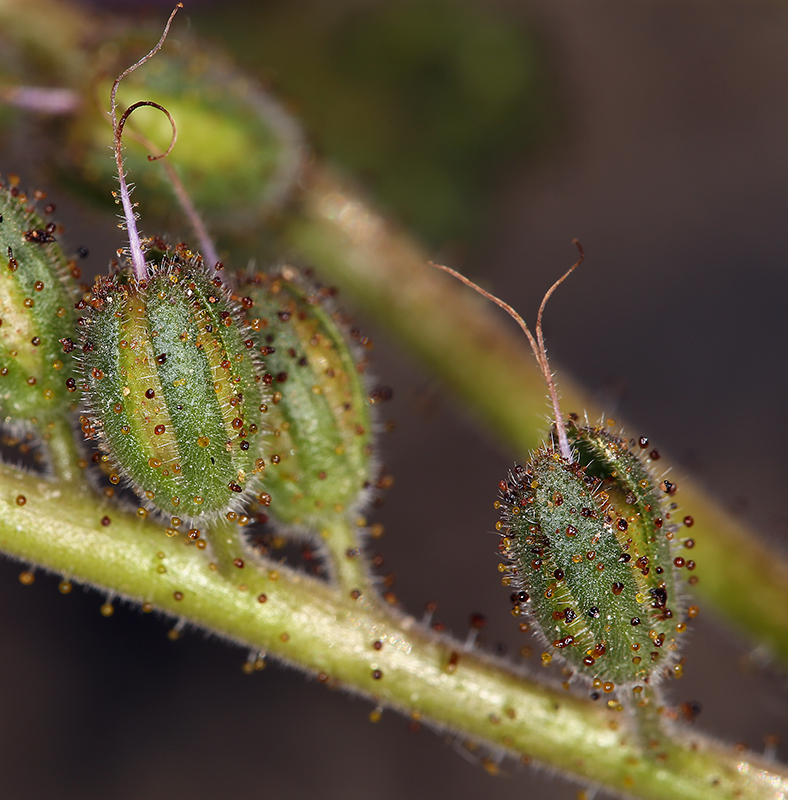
(63, 451)
(648, 709)
(347, 562)
(272, 609)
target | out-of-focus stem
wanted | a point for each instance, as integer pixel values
(347, 562)
(53, 33)
(648, 711)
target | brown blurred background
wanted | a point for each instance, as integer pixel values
(654, 132)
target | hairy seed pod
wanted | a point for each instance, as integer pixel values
(586, 534)
(591, 552)
(172, 390)
(321, 413)
(37, 319)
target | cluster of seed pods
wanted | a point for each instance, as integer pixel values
(205, 400)
(205, 395)
(179, 378)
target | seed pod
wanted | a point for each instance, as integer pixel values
(239, 153)
(585, 532)
(320, 413)
(172, 390)
(37, 320)
(591, 555)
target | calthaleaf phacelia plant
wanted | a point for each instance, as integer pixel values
(218, 399)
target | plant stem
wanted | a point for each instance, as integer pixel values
(62, 449)
(348, 565)
(290, 616)
(648, 710)
(226, 547)
(448, 328)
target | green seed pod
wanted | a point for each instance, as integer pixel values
(590, 550)
(592, 557)
(238, 155)
(321, 415)
(172, 388)
(37, 319)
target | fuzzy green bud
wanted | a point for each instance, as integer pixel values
(172, 389)
(593, 557)
(37, 320)
(238, 152)
(320, 414)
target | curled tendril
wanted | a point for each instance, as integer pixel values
(127, 113)
(135, 245)
(207, 247)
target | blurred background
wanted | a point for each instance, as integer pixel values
(655, 133)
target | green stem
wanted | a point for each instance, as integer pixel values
(341, 547)
(648, 709)
(64, 455)
(226, 551)
(448, 328)
(357, 644)
(348, 565)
